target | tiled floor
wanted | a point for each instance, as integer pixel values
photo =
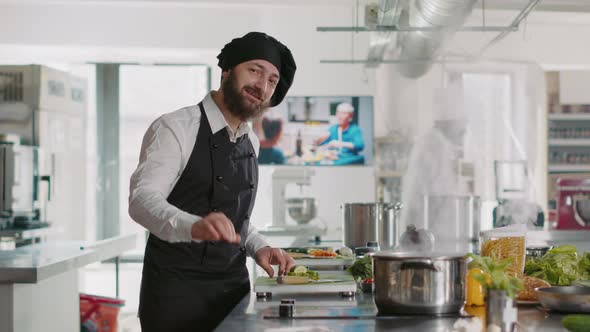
(129, 323)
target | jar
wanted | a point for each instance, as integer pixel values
(506, 242)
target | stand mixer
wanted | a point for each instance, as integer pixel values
(300, 209)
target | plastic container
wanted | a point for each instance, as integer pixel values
(506, 242)
(99, 313)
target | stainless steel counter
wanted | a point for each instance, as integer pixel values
(331, 312)
(37, 262)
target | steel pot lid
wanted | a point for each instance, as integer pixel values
(404, 255)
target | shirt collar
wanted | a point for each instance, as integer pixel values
(217, 120)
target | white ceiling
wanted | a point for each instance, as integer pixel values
(548, 5)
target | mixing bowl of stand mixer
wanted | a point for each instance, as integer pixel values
(301, 209)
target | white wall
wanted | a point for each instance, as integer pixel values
(194, 32)
(184, 32)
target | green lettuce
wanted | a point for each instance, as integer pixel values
(584, 266)
(560, 266)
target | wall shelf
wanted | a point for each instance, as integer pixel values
(569, 116)
(568, 168)
(569, 142)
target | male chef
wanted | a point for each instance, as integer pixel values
(194, 190)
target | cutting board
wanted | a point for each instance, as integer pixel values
(341, 283)
(310, 262)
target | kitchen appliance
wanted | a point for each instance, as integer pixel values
(302, 221)
(364, 222)
(46, 108)
(281, 178)
(19, 187)
(573, 204)
(301, 209)
(419, 282)
(454, 220)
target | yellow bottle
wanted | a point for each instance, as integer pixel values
(475, 292)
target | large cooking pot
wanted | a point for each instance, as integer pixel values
(418, 283)
(364, 222)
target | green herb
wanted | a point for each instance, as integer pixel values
(576, 323)
(361, 268)
(495, 276)
(560, 266)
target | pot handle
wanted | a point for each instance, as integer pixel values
(413, 264)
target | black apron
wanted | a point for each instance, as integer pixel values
(193, 286)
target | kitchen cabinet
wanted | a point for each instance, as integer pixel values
(39, 282)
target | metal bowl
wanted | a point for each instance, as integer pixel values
(301, 209)
(583, 210)
(565, 298)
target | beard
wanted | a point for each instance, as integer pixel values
(237, 104)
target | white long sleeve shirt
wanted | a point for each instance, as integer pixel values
(165, 151)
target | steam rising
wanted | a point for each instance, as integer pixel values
(487, 112)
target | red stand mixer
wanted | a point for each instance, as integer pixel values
(573, 204)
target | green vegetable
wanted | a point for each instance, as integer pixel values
(495, 276)
(576, 323)
(584, 266)
(560, 266)
(313, 275)
(361, 268)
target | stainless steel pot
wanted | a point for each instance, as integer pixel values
(365, 222)
(418, 283)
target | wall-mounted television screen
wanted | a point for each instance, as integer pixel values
(312, 130)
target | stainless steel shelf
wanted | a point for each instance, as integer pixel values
(569, 116)
(394, 28)
(569, 142)
(556, 168)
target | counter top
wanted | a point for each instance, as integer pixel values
(328, 312)
(33, 263)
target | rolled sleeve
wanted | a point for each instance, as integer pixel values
(254, 241)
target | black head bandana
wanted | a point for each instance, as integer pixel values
(260, 46)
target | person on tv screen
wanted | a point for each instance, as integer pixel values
(344, 138)
(270, 153)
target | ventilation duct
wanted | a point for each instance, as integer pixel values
(418, 48)
(389, 12)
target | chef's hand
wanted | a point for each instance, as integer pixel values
(268, 256)
(215, 227)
